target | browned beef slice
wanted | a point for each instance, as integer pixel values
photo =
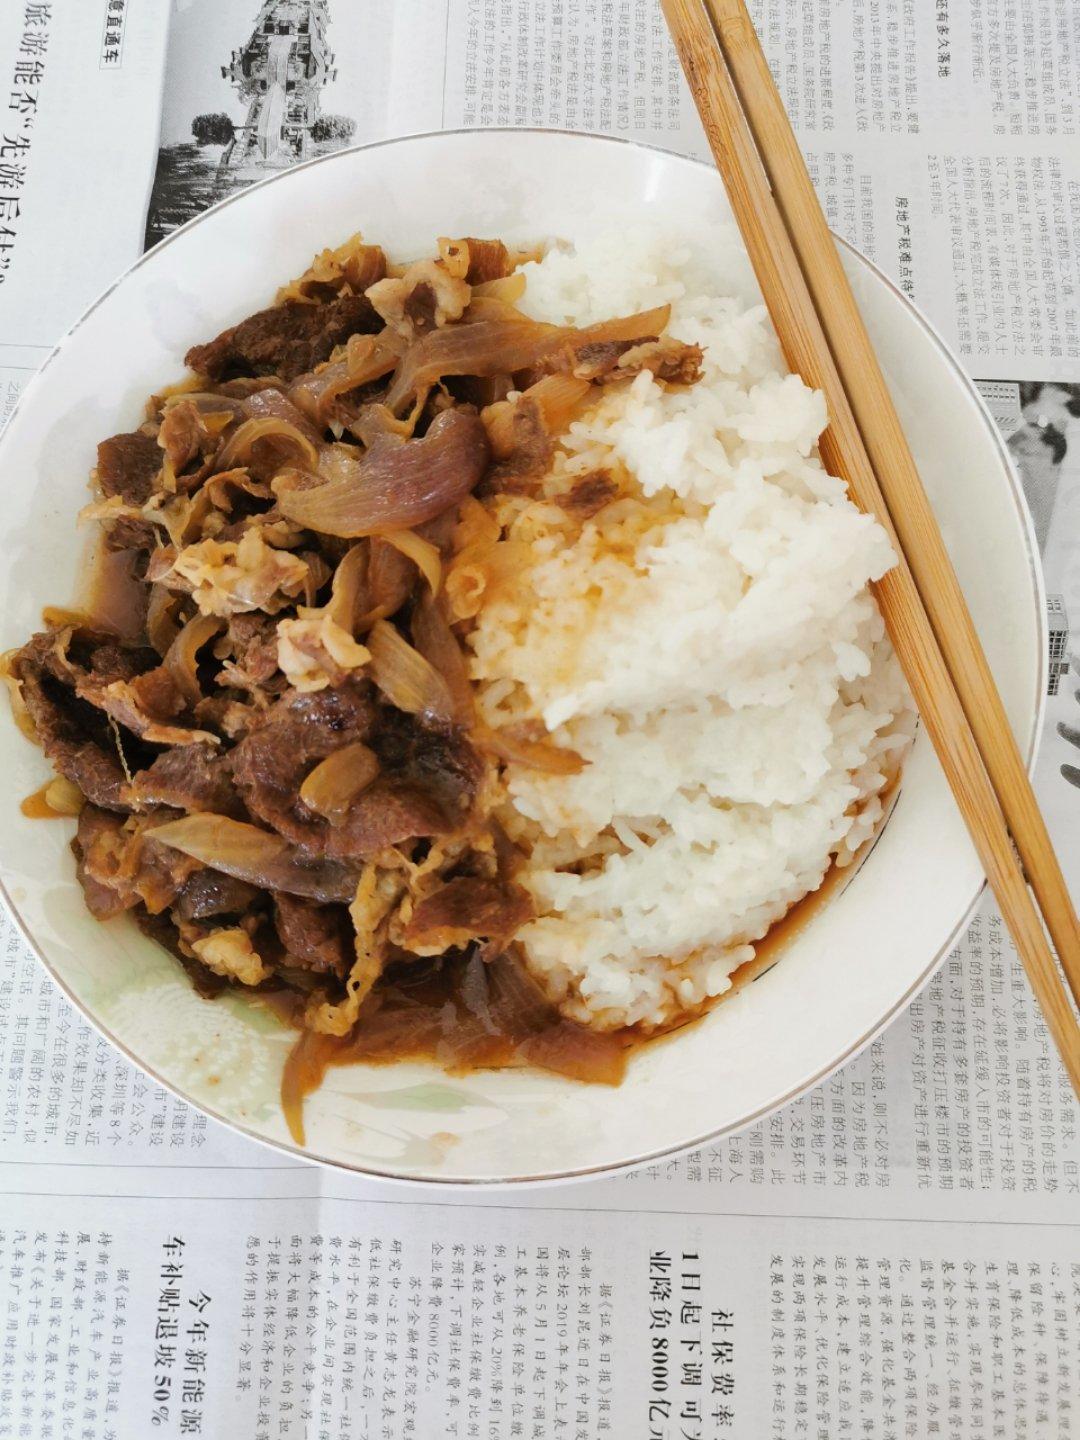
(127, 465)
(426, 789)
(285, 340)
(468, 906)
(439, 763)
(161, 872)
(119, 867)
(73, 734)
(589, 494)
(103, 901)
(315, 936)
(130, 534)
(208, 893)
(189, 777)
(98, 657)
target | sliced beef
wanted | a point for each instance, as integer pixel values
(192, 778)
(316, 937)
(98, 835)
(598, 360)
(667, 358)
(127, 533)
(426, 787)
(209, 893)
(439, 763)
(128, 465)
(464, 909)
(589, 494)
(131, 686)
(270, 763)
(285, 340)
(120, 866)
(97, 658)
(74, 735)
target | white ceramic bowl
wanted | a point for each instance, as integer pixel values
(848, 973)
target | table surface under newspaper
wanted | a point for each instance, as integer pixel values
(896, 1254)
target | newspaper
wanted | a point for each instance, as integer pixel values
(894, 1254)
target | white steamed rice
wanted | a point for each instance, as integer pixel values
(707, 643)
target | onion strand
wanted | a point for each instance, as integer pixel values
(408, 681)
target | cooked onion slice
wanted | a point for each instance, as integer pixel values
(390, 580)
(257, 856)
(507, 288)
(403, 675)
(335, 782)
(237, 450)
(421, 552)
(556, 397)
(437, 643)
(348, 588)
(397, 486)
(489, 347)
(534, 754)
(181, 658)
(366, 358)
(55, 800)
(644, 325)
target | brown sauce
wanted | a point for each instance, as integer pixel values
(430, 1011)
(460, 1012)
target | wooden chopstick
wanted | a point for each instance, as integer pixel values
(897, 473)
(806, 349)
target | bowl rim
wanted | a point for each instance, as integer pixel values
(431, 1181)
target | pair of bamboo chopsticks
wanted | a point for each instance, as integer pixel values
(824, 340)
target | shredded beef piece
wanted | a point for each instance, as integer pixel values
(285, 340)
(593, 362)
(189, 777)
(209, 893)
(251, 642)
(589, 494)
(667, 358)
(517, 473)
(128, 465)
(316, 937)
(72, 733)
(464, 909)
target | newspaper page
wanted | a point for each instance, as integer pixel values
(894, 1254)
(80, 96)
